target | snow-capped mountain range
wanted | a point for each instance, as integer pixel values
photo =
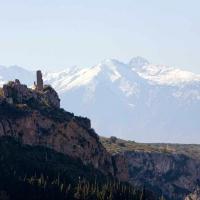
(136, 100)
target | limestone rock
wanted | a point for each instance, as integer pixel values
(172, 175)
(120, 165)
(18, 92)
(50, 96)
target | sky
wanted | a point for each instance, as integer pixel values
(51, 35)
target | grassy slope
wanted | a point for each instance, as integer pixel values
(116, 145)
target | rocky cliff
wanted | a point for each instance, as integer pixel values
(169, 170)
(172, 175)
(34, 118)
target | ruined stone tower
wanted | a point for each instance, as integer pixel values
(39, 84)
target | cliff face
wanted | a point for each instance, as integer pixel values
(168, 172)
(34, 119)
(172, 175)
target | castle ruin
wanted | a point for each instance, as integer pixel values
(39, 81)
(16, 93)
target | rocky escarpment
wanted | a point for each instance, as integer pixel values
(172, 175)
(34, 118)
(164, 169)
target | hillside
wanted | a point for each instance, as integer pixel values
(37, 172)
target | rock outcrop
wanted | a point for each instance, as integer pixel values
(50, 96)
(34, 118)
(20, 93)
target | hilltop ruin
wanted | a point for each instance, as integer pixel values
(17, 93)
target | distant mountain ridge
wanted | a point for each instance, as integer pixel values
(137, 100)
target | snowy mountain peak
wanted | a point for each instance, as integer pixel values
(115, 70)
(137, 62)
(111, 64)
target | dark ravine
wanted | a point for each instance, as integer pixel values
(164, 169)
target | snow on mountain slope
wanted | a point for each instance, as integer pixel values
(162, 74)
(138, 100)
(121, 102)
(64, 80)
(167, 75)
(108, 71)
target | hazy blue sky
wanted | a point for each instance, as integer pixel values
(55, 34)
